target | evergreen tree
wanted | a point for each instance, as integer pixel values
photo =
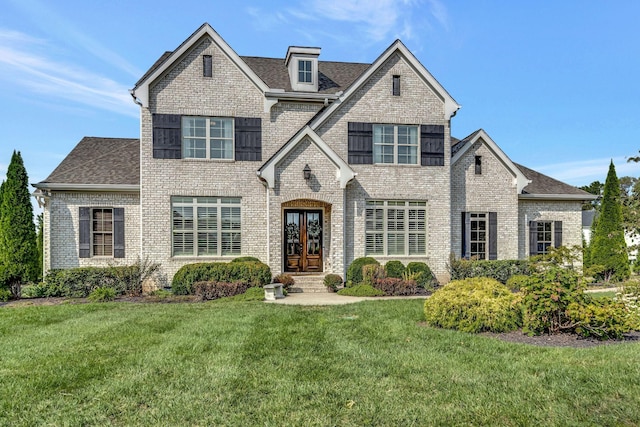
(18, 250)
(608, 248)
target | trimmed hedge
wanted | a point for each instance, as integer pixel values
(392, 286)
(474, 305)
(214, 290)
(354, 272)
(332, 282)
(361, 291)
(425, 277)
(249, 272)
(286, 280)
(246, 259)
(394, 269)
(500, 270)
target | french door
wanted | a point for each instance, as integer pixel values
(303, 240)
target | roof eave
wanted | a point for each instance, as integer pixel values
(569, 197)
(52, 186)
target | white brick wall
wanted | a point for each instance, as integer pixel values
(570, 213)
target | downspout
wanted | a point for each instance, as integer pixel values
(344, 237)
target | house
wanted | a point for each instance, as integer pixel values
(303, 163)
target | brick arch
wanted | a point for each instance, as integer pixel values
(306, 203)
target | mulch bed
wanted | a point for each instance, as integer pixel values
(560, 340)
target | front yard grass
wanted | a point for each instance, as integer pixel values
(249, 363)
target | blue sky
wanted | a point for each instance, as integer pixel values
(555, 84)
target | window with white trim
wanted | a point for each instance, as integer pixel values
(544, 234)
(478, 238)
(206, 226)
(395, 228)
(102, 231)
(395, 144)
(305, 71)
(207, 138)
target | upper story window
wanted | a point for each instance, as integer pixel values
(478, 165)
(395, 90)
(207, 138)
(395, 144)
(207, 66)
(305, 71)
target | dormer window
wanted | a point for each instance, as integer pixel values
(302, 63)
(304, 71)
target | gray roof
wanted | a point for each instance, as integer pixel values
(588, 217)
(102, 161)
(543, 184)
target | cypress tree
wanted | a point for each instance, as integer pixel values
(608, 248)
(18, 250)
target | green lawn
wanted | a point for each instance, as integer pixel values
(243, 364)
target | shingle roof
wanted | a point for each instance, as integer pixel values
(543, 184)
(333, 76)
(100, 161)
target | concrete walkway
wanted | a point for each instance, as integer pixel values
(329, 298)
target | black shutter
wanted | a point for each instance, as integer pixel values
(533, 238)
(432, 145)
(360, 143)
(167, 137)
(207, 66)
(493, 235)
(84, 238)
(466, 235)
(248, 139)
(396, 86)
(557, 231)
(118, 232)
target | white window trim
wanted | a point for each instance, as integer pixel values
(551, 232)
(396, 145)
(207, 138)
(310, 72)
(485, 218)
(92, 233)
(220, 202)
(385, 206)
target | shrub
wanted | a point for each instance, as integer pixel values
(394, 269)
(252, 294)
(246, 259)
(361, 291)
(371, 273)
(286, 280)
(474, 305)
(602, 318)
(500, 270)
(332, 282)
(354, 272)
(5, 294)
(516, 281)
(423, 275)
(250, 272)
(102, 294)
(215, 290)
(396, 287)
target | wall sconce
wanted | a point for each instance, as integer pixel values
(307, 172)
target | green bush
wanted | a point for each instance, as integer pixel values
(246, 259)
(79, 282)
(501, 270)
(5, 295)
(603, 318)
(421, 273)
(214, 290)
(394, 269)
(354, 272)
(252, 294)
(393, 286)
(332, 282)
(474, 305)
(250, 272)
(361, 291)
(102, 294)
(371, 273)
(516, 281)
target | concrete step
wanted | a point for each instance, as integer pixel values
(309, 283)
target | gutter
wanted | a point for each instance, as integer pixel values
(569, 197)
(87, 187)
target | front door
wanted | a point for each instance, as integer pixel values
(303, 237)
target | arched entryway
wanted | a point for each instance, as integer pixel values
(305, 230)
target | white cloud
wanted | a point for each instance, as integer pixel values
(24, 62)
(586, 171)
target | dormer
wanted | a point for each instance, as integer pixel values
(302, 63)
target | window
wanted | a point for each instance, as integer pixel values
(206, 226)
(304, 71)
(396, 86)
(395, 144)
(478, 164)
(395, 228)
(102, 232)
(544, 236)
(207, 138)
(478, 237)
(207, 66)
